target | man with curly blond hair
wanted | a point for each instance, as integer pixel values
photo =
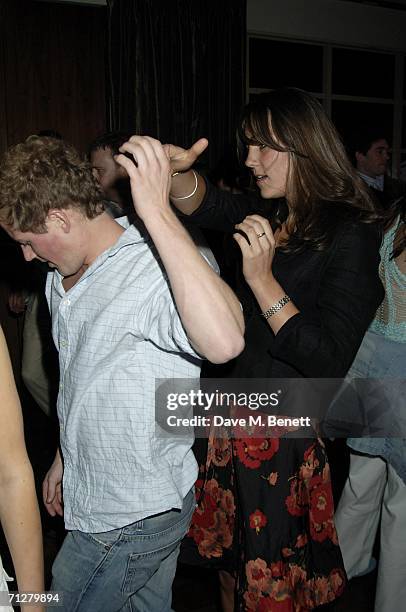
(129, 305)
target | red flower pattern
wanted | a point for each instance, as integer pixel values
(251, 451)
(321, 500)
(258, 520)
(288, 584)
(213, 520)
(219, 451)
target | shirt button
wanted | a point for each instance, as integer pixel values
(64, 343)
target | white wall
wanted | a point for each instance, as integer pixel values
(335, 21)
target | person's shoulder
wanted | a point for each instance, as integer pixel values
(344, 215)
(359, 237)
(359, 226)
(394, 189)
(389, 180)
(354, 226)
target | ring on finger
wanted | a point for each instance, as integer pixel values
(260, 235)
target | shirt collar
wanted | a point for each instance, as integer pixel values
(374, 182)
(132, 235)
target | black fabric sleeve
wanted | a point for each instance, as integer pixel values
(221, 210)
(325, 343)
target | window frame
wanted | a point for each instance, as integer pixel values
(328, 97)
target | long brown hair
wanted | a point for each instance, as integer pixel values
(322, 185)
(396, 211)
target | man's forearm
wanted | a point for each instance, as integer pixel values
(209, 310)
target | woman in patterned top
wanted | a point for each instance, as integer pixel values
(375, 491)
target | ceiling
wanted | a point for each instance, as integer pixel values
(96, 2)
(399, 5)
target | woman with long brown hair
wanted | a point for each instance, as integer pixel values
(311, 287)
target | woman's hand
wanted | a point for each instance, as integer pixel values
(258, 256)
(182, 160)
(187, 188)
(259, 252)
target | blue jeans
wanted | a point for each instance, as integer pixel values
(384, 360)
(129, 569)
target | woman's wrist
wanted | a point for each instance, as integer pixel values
(184, 184)
(274, 303)
(264, 285)
(275, 308)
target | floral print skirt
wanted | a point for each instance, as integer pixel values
(265, 514)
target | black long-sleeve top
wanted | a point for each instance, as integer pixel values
(336, 291)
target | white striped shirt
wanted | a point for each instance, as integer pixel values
(117, 330)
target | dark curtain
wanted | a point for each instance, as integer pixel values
(52, 71)
(177, 69)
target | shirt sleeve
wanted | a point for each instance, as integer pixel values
(158, 319)
(326, 342)
(221, 210)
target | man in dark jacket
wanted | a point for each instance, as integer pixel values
(371, 155)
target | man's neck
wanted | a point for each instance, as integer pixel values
(102, 233)
(376, 182)
(69, 281)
